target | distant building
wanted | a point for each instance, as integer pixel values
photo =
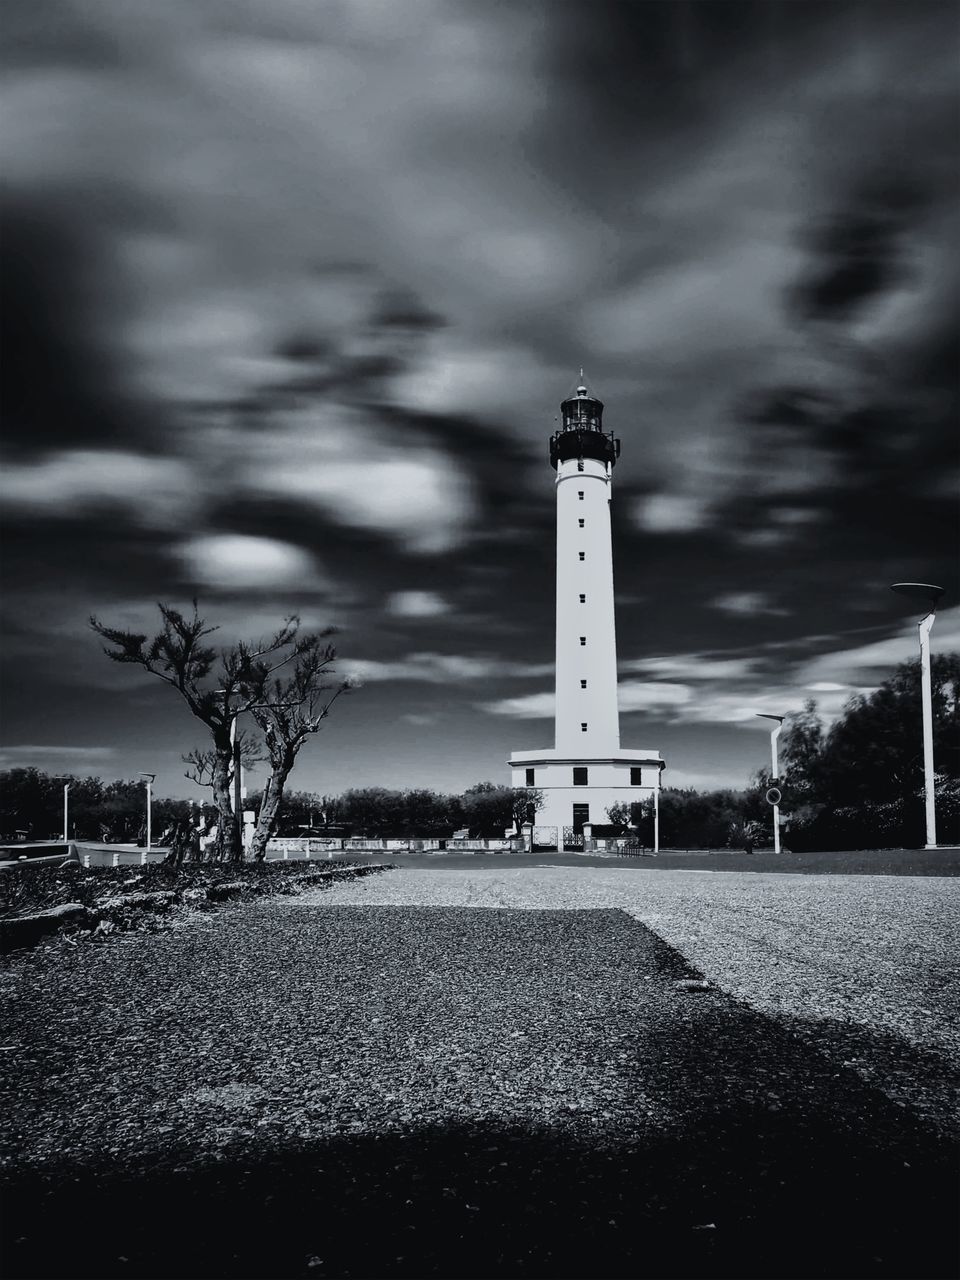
(586, 771)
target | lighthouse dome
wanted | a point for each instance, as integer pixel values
(582, 411)
(581, 434)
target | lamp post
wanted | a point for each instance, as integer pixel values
(66, 830)
(930, 594)
(150, 777)
(774, 735)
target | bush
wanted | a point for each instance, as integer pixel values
(897, 824)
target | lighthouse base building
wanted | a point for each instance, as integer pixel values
(586, 771)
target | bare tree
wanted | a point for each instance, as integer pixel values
(292, 708)
(217, 686)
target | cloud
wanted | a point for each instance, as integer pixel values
(416, 604)
(440, 668)
(233, 562)
(530, 706)
(651, 695)
(870, 663)
(748, 603)
(693, 667)
(153, 492)
(671, 513)
(23, 755)
(345, 463)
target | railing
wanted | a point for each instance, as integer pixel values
(312, 846)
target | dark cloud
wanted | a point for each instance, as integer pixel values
(58, 386)
(309, 288)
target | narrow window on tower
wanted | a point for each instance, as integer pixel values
(583, 726)
(583, 684)
(580, 776)
(583, 639)
(636, 776)
(531, 775)
(580, 494)
(583, 555)
(583, 598)
(580, 522)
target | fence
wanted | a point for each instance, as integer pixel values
(316, 846)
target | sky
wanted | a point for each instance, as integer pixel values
(293, 290)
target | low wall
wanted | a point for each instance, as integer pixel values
(326, 846)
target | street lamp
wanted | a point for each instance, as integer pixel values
(150, 777)
(774, 735)
(930, 594)
(656, 808)
(66, 791)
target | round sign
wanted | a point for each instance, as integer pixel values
(774, 795)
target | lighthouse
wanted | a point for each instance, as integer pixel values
(586, 771)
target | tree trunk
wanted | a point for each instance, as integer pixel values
(228, 847)
(270, 807)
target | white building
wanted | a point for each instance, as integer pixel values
(586, 771)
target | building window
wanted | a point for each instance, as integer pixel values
(583, 555)
(580, 775)
(531, 775)
(583, 598)
(580, 522)
(583, 726)
(581, 814)
(580, 464)
(583, 684)
(636, 776)
(580, 494)
(583, 639)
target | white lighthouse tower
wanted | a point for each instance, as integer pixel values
(586, 771)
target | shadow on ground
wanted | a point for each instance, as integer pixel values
(730, 1146)
(742, 1194)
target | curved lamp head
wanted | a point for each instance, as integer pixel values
(927, 592)
(765, 715)
(150, 777)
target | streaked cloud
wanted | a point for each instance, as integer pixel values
(238, 562)
(49, 757)
(440, 668)
(748, 603)
(416, 604)
(155, 492)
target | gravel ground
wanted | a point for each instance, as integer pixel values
(362, 1085)
(836, 956)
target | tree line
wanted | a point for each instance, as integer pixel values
(31, 804)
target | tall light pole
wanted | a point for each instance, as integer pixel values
(150, 777)
(66, 830)
(930, 594)
(774, 735)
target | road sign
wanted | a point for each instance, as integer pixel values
(774, 795)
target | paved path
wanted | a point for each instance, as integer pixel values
(887, 862)
(878, 950)
(356, 1084)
